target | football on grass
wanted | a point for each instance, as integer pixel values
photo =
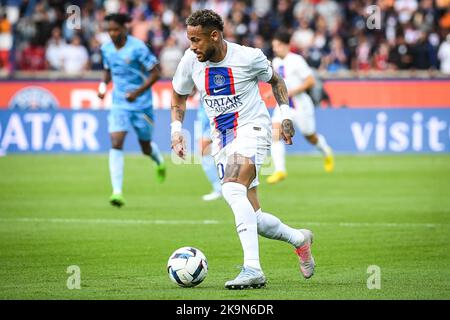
(187, 267)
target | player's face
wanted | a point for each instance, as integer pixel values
(116, 32)
(280, 49)
(203, 43)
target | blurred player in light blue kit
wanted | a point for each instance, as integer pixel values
(133, 69)
(208, 164)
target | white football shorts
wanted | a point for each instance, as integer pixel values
(251, 141)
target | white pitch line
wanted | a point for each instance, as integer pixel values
(206, 222)
(108, 221)
(373, 224)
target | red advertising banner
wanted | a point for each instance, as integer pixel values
(390, 93)
(26, 95)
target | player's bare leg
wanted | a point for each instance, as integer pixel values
(239, 173)
(271, 227)
(320, 143)
(151, 149)
(278, 152)
(116, 164)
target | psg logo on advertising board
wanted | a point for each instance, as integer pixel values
(33, 98)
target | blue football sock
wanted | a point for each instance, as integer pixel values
(211, 172)
(156, 154)
(116, 163)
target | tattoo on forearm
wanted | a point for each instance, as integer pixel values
(178, 112)
(279, 90)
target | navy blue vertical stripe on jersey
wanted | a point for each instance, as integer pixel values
(226, 124)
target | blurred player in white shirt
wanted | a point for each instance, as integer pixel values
(299, 79)
(226, 76)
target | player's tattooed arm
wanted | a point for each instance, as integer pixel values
(279, 89)
(178, 108)
(281, 96)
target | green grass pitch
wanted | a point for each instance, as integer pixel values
(388, 211)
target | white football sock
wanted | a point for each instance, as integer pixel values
(236, 196)
(116, 163)
(271, 227)
(278, 151)
(322, 145)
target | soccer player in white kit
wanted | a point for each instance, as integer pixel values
(226, 75)
(299, 79)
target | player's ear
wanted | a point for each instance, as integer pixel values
(214, 35)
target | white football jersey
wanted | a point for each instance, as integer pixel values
(228, 89)
(294, 70)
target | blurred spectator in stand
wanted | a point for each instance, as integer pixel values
(405, 9)
(43, 25)
(433, 47)
(283, 16)
(265, 47)
(6, 43)
(56, 48)
(331, 12)
(238, 21)
(444, 22)
(169, 57)
(305, 9)
(381, 57)
(228, 31)
(444, 55)
(400, 55)
(157, 35)
(32, 57)
(140, 26)
(425, 17)
(261, 7)
(178, 31)
(220, 6)
(318, 49)
(76, 57)
(101, 34)
(303, 37)
(412, 34)
(95, 55)
(336, 60)
(420, 53)
(362, 60)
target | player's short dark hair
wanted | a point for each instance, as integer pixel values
(282, 36)
(206, 19)
(119, 18)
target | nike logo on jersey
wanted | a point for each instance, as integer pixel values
(219, 90)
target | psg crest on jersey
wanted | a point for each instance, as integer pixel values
(219, 80)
